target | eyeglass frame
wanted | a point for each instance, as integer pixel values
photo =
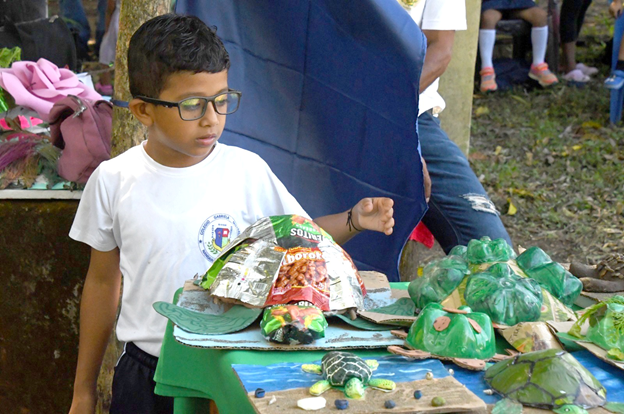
(211, 99)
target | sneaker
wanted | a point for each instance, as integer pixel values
(616, 80)
(542, 74)
(576, 76)
(104, 89)
(488, 80)
(587, 70)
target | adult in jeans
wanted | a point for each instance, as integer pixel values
(459, 208)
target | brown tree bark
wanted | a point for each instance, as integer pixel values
(127, 131)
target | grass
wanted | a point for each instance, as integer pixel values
(551, 155)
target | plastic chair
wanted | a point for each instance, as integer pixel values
(617, 95)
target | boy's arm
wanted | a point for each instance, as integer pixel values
(369, 214)
(98, 311)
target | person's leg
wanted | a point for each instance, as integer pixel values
(539, 40)
(459, 208)
(487, 38)
(133, 385)
(101, 23)
(568, 32)
(74, 12)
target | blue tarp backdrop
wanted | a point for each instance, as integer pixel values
(330, 101)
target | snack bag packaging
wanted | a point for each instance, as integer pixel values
(284, 259)
(293, 324)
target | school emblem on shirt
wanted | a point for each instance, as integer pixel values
(216, 233)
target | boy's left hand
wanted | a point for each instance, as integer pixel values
(374, 214)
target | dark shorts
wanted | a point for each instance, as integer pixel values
(507, 5)
(133, 384)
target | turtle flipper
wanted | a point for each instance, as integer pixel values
(312, 368)
(320, 387)
(354, 389)
(372, 363)
(381, 384)
(507, 406)
(570, 409)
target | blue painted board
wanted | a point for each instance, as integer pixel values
(288, 375)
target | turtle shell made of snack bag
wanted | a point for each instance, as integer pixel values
(548, 379)
(344, 369)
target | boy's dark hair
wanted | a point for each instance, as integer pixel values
(168, 44)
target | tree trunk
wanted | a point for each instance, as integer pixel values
(127, 131)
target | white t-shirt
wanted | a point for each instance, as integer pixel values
(171, 223)
(436, 15)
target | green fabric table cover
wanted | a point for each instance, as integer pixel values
(192, 375)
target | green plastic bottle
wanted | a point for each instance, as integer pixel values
(487, 250)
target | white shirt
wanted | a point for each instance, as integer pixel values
(171, 223)
(436, 15)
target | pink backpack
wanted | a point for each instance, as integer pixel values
(82, 129)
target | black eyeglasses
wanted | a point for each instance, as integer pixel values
(194, 107)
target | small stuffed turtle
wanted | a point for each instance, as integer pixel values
(549, 379)
(349, 370)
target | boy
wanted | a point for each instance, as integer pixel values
(153, 213)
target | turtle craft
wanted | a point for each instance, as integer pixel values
(550, 379)
(460, 335)
(344, 369)
(606, 326)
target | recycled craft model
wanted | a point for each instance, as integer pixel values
(606, 326)
(344, 369)
(549, 379)
(463, 336)
(487, 276)
(281, 259)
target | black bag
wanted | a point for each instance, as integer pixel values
(43, 38)
(22, 10)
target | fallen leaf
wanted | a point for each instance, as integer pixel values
(498, 150)
(576, 147)
(512, 209)
(479, 156)
(529, 158)
(519, 99)
(482, 110)
(591, 124)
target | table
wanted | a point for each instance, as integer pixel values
(194, 375)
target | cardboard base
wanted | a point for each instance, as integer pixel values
(458, 399)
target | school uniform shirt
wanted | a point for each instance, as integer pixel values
(435, 15)
(171, 223)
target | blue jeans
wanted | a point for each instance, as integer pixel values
(459, 208)
(74, 11)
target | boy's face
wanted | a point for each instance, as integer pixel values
(177, 143)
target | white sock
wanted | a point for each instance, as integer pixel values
(539, 40)
(486, 47)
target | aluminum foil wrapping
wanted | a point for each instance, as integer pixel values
(282, 259)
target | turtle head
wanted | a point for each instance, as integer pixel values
(570, 409)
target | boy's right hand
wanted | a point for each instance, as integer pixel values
(615, 8)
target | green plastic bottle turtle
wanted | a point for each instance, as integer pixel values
(344, 369)
(550, 379)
